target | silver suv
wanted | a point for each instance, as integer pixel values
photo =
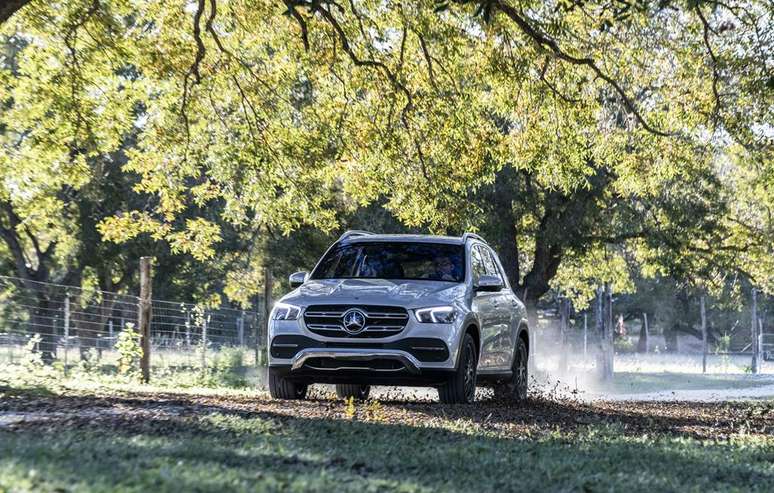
(415, 310)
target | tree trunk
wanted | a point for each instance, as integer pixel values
(670, 339)
(642, 343)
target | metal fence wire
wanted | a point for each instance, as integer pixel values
(74, 323)
(574, 340)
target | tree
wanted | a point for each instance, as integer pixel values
(603, 111)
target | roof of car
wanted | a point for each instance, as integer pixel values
(365, 237)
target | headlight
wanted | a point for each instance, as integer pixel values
(436, 314)
(284, 311)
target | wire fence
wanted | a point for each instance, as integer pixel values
(575, 341)
(74, 323)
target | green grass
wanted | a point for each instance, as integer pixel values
(625, 382)
(222, 451)
(85, 434)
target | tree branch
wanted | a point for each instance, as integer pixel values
(429, 61)
(301, 22)
(545, 41)
(193, 70)
(715, 75)
(564, 98)
(11, 238)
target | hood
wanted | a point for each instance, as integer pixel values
(405, 293)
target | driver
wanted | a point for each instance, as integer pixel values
(444, 268)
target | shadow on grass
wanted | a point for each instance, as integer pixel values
(41, 390)
(701, 420)
(202, 447)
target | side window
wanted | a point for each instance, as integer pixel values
(491, 265)
(491, 270)
(477, 263)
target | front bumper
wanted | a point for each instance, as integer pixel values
(352, 374)
(421, 355)
(409, 361)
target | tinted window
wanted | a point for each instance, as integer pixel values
(477, 263)
(407, 260)
(491, 264)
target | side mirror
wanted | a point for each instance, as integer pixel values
(298, 278)
(488, 283)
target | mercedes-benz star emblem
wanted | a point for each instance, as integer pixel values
(354, 320)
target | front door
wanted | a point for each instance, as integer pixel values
(487, 305)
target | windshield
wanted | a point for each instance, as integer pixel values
(380, 260)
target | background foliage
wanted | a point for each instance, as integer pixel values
(590, 142)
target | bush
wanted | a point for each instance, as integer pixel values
(129, 351)
(223, 368)
(89, 361)
(32, 359)
(623, 345)
(227, 367)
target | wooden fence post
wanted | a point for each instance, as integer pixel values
(585, 336)
(610, 353)
(703, 335)
(188, 328)
(563, 334)
(144, 316)
(241, 328)
(754, 330)
(205, 321)
(599, 322)
(760, 340)
(66, 329)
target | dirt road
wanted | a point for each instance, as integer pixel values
(540, 414)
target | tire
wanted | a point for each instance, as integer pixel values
(282, 388)
(515, 388)
(357, 392)
(461, 387)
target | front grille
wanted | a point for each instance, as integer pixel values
(424, 349)
(380, 321)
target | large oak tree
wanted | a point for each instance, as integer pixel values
(559, 128)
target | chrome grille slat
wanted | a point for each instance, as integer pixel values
(381, 321)
(324, 314)
(396, 316)
(324, 326)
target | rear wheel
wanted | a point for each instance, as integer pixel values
(357, 392)
(515, 388)
(461, 387)
(282, 388)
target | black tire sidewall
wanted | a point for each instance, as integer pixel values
(454, 391)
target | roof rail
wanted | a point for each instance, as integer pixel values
(474, 236)
(354, 232)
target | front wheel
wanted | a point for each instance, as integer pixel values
(515, 388)
(461, 387)
(282, 388)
